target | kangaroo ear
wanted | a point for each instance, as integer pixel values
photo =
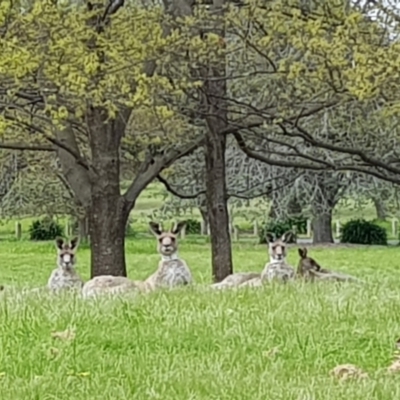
(178, 227)
(155, 228)
(75, 243)
(270, 237)
(59, 243)
(303, 252)
(287, 236)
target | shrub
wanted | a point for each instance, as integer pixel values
(45, 229)
(280, 227)
(360, 231)
(193, 227)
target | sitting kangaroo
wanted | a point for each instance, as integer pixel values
(65, 275)
(277, 269)
(172, 270)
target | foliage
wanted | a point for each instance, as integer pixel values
(83, 67)
(360, 231)
(193, 226)
(279, 227)
(45, 229)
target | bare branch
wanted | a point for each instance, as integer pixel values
(281, 163)
(153, 166)
(23, 147)
(175, 192)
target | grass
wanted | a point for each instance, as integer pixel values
(193, 344)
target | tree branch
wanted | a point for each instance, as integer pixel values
(49, 138)
(280, 163)
(176, 193)
(307, 137)
(153, 166)
(23, 147)
(112, 7)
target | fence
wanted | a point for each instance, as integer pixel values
(235, 231)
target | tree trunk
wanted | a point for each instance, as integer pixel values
(322, 228)
(217, 205)
(108, 211)
(107, 237)
(215, 107)
(380, 209)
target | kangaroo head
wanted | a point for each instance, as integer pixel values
(307, 263)
(277, 247)
(167, 240)
(66, 252)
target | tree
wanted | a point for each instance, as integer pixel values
(214, 105)
(70, 84)
(332, 54)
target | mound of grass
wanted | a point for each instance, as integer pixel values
(278, 342)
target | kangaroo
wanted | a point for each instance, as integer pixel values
(111, 285)
(307, 266)
(172, 271)
(277, 269)
(65, 275)
(310, 270)
(236, 279)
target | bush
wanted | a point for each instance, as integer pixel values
(45, 229)
(193, 227)
(280, 227)
(360, 231)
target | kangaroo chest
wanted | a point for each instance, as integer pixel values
(173, 272)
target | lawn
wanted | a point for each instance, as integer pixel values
(278, 342)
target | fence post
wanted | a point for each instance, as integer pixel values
(308, 228)
(255, 228)
(337, 228)
(235, 233)
(183, 232)
(395, 224)
(18, 230)
(294, 230)
(67, 228)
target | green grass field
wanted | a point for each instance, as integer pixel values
(278, 342)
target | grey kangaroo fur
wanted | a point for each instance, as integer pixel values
(276, 269)
(172, 270)
(65, 275)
